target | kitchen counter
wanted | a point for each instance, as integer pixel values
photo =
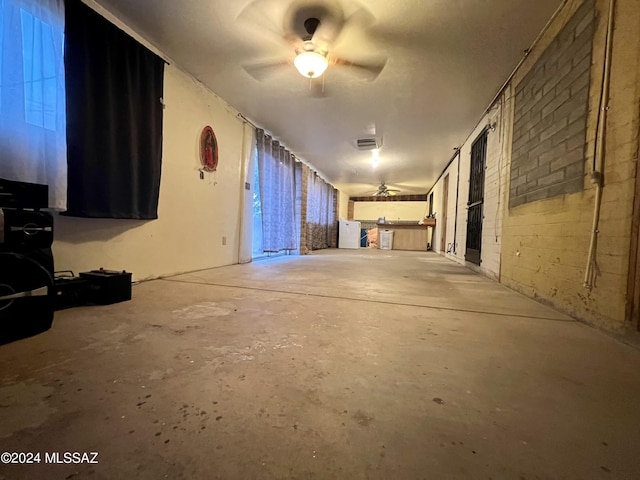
(408, 235)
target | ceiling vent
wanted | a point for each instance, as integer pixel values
(368, 143)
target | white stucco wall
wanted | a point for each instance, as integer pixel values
(195, 216)
(438, 191)
(343, 205)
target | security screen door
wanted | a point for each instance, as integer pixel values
(476, 199)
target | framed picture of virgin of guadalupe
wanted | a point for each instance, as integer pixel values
(208, 150)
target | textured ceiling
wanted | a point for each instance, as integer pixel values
(445, 61)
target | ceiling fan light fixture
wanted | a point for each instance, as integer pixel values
(311, 64)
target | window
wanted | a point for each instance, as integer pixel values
(32, 95)
(257, 246)
(39, 69)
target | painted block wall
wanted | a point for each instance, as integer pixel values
(550, 115)
(542, 247)
(497, 120)
(392, 211)
(496, 181)
(195, 216)
(545, 243)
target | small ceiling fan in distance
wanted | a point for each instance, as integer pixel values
(384, 191)
(310, 28)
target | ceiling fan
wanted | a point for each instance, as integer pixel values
(310, 28)
(384, 191)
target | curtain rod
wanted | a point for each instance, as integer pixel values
(293, 155)
(246, 120)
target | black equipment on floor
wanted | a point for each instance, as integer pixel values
(97, 287)
(107, 286)
(29, 289)
(69, 290)
(26, 261)
(20, 195)
(28, 229)
(26, 296)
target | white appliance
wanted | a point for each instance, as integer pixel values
(385, 239)
(349, 234)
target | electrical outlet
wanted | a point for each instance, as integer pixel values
(224, 240)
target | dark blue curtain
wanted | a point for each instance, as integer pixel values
(114, 119)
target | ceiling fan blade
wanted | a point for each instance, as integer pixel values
(325, 34)
(263, 70)
(384, 190)
(359, 20)
(258, 20)
(370, 69)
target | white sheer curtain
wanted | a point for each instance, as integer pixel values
(276, 169)
(32, 95)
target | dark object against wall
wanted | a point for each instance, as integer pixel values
(107, 286)
(28, 229)
(31, 311)
(69, 291)
(26, 261)
(114, 119)
(97, 287)
(23, 195)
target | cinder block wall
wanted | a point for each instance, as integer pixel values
(547, 227)
(550, 121)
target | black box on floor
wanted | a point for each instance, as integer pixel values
(70, 291)
(23, 195)
(107, 286)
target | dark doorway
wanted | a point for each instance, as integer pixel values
(476, 199)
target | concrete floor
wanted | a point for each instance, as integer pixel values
(341, 364)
